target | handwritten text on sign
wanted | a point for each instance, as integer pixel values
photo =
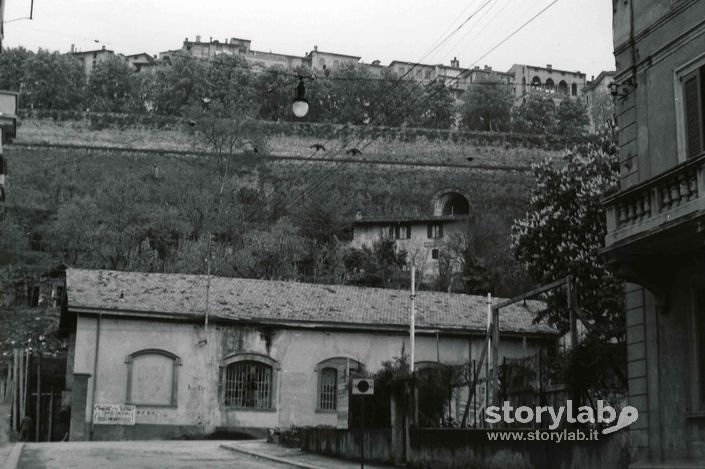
(113, 414)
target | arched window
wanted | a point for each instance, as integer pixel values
(563, 87)
(249, 382)
(536, 81)
(550, 86)
(328, 389)
(152, 378)
(333, 375)
(574, 89)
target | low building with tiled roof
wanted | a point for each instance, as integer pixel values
(165, 355)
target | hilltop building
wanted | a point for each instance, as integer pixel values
(559, 84)
(597, 96)
(90, 58)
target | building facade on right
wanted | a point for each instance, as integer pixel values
(656, 224)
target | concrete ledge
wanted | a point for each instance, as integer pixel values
(269, 457)
(13, 458)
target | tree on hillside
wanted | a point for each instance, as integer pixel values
(230, 82)
(52, 81)
(179, 85)
(487, 106)
(275, 91)
(378, 266)
(572, 118)
(226, 132)
(436, 111)
(561, 235)
(563, 231)
(270, 253)
(353, 92)
(110, 86)
(536, 115)
(12, 63)
(398, 100)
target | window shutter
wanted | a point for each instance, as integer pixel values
(693, 114)
(440, 230)
(430, 231)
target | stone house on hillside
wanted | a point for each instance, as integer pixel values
(426, 239)
(168, 355)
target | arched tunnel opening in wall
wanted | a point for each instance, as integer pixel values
(455, 204)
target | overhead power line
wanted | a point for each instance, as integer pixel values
(315, 184)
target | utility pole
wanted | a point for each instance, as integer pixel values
(412, 332)
(2, 22)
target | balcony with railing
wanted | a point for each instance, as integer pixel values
(664, 201)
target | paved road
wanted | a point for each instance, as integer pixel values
(137, 454)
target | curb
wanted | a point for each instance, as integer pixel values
(269, 457)
(13, 458)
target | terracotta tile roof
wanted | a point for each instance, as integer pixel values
(281, 301)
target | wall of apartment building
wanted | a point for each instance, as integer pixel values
(650, 116)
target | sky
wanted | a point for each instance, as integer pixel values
(571, 35)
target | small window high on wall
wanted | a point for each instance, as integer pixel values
(152, 378)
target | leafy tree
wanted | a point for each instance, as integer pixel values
(379, 266)
(52, 81)
(397, 100)
(487, 106)
(572, 118)
(12, 62)
(353, 92)
(110, 86)
(562, 233)
(177, 86)
(536, 115)
(437, 112)
(275, 91)
(270, 253)
(230, 82)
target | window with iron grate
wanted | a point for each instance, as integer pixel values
(248, 384)
(328, 389)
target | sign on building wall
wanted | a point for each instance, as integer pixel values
(114, 414)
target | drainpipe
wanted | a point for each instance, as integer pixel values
(95, 373)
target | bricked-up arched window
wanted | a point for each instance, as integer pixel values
(152, 378)
(248, 382)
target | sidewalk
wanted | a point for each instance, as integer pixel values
(292, 456)
(9, 451)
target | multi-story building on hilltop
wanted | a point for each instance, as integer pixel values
(559, 84)
(322, 61)
(233, 46)
(655, 224)
(90, 58)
